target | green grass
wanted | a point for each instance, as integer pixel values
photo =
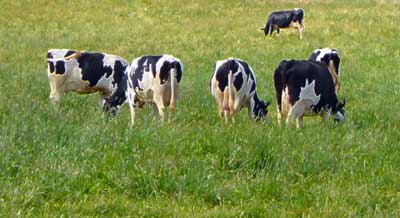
(81, 164)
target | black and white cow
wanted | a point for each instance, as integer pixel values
(305, 88)
(330, 57)
(152, 79)
(233, 85)
(285, 19)
(83, 73)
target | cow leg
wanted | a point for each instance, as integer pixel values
(219, 98)
(133, 108)
(301, 30)
(226, 115)
(270, 31)
(299, 121)
(233, 115)
(131, 100)
(324, 116)
(278, 31)
(155, 110)
(102, 98)
(172, 101)
(160, 105)
(280, 116)
(55, 97)
(171, 112)
(57, 90)
(295, 111)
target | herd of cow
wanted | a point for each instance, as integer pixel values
(303, 87)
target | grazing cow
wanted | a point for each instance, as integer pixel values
(284, 19)
(305, 88)
(330, 57)
(83, 73)
(233, 85)
(149, 79)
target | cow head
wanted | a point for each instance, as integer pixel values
(259, 109)
(338, 113)
(118, 98)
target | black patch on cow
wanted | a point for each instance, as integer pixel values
(238, 81)
(260, 109)
(336, 62)
(253, 87)
(326, 58)
(50, 66)
(60, 67)
(119, 71)
(223, 72)
(298, 16)
(247, 70)
(314, 56)
(178, 72)
(118, 98)
(93, 67)
(69, 52)
(108, 70)
(164, 72)
(145, 64)
(282, 19)
(293, 75)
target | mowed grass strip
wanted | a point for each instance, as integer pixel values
(79, 163)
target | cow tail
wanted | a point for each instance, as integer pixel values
(230, 90)
(278, 81)
(73, 56)
(335, 77)
(173, 80)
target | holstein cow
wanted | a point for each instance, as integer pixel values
(83, 73)
(284, 19)
(152, 79)
(233, 85)
(330, 57)
(305, 88)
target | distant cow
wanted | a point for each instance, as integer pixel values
(330, 57)
(83, 73)
(305, 88)
(233, 85)
(152, 79)
(284, 19)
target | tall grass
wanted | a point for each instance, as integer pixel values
(77, 163)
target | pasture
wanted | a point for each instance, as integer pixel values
(79, 163)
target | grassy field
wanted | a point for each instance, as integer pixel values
(80, 164)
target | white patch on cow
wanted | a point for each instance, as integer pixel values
(323, 52)
(303, 107)
(338, 116)
(308, 92)
(285, 105)
(58, 53)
